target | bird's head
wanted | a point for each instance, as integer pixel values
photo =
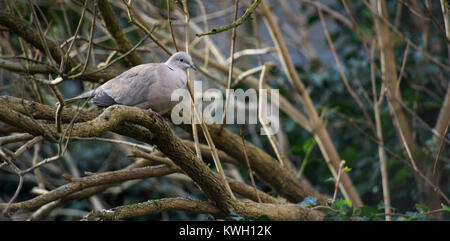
(181, 60)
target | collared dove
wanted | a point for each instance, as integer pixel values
(144, 86)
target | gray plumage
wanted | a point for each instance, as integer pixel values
(144, 86)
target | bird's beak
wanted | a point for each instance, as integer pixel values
(193, 67)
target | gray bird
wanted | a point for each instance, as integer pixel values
(144, 86)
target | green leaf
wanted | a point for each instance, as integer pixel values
(343, 205)
(421, 208)
(445, 207)
(330, 179)
(308, 144)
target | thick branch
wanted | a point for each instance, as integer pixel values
(153, 207)
(277, 212)
(167, 142)
(39, 111)
(266, 167)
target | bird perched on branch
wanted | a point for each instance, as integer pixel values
(146, 86)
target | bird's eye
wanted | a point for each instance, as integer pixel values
(181, 60)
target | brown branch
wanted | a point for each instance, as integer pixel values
(86, 182)
(153, 207)
(277, 212)
(267, 168)
(168, 143)
(264, 165)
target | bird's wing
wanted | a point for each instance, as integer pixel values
(129, 88)
(102, 98)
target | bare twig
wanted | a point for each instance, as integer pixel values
(170, 26)
(341, 72)
(236, 23)
(441, 147)
(336, 186)
(250, 172)
(16, 194)
(230, 68)
(262, 108)
(66, 57)
(379, 132)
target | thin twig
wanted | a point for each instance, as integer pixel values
(91, 42)
(435, 22)
(280, 156)
(441, 147)
(65, 59)
(406, 39)
(170, 26)
(379, 133)
(16, 194)
(190, 85)
(147, 148)
(336, 186)
(341, 72)
(236, 23)
(230, 69)
(115, 60)
(250, 172)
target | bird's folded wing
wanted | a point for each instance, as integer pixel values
(131, 87)
(102, 98)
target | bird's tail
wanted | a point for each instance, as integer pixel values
(83, 96)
